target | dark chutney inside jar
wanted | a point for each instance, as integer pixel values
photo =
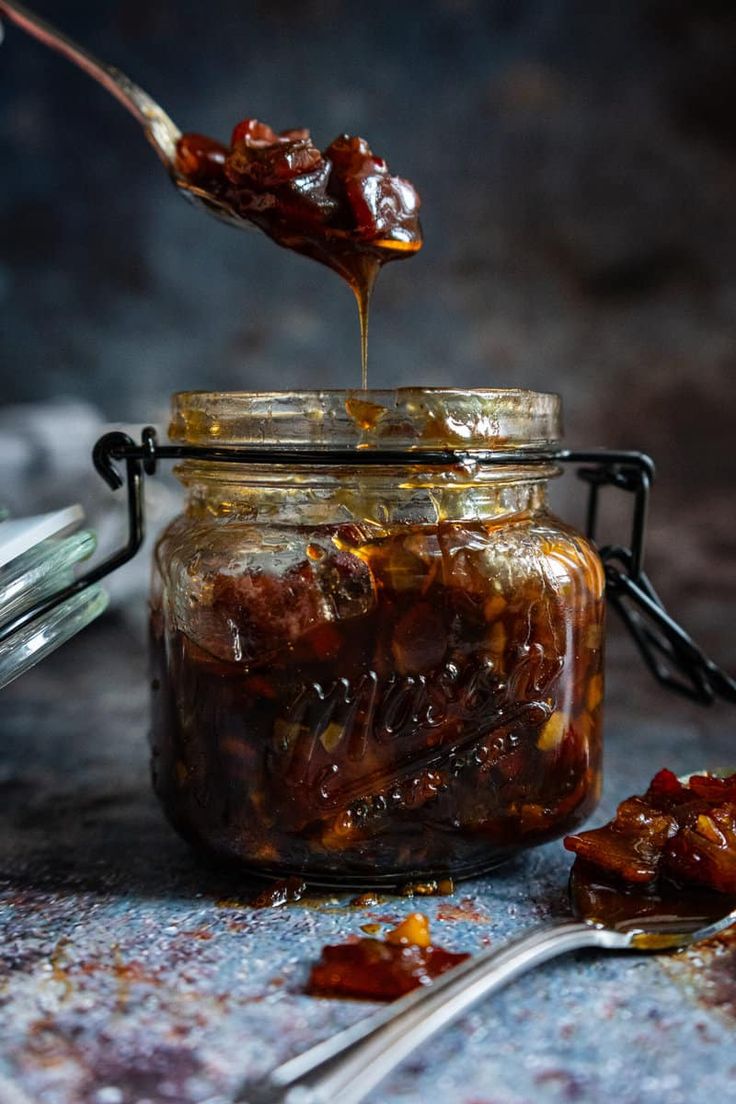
(415, 701)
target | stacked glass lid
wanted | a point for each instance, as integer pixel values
(38, 556)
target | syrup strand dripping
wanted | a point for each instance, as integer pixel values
(363, 289)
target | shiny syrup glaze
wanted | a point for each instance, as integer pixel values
(341, 207)
(660, 906)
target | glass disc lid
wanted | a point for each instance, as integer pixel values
(28, 578)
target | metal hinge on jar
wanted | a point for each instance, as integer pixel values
(668, 650)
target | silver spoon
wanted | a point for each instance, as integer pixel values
(161, 131)
(345, 1068)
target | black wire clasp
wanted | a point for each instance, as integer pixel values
(124, 447)
(668, 650)
(671, 655)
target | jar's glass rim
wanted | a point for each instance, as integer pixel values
(405, 417)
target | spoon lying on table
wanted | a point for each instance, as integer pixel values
(161, 131)
(345, 1068)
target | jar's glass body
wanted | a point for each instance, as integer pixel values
(374, 675)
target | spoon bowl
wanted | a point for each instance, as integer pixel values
(655, 920)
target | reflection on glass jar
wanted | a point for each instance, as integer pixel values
(369, 675)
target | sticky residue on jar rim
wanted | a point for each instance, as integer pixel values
(417, 418)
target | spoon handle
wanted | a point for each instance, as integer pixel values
(161, 132)
(345, 1068)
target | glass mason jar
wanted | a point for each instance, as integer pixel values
(376, 674)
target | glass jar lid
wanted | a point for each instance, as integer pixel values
(414, 418)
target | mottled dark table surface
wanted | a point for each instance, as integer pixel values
(130, 973)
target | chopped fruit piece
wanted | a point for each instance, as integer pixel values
(419, 644)
(679, 832)
(379, 970)
(264, 614)
(261, 165)
(631, 845)
(414, 929)
(553, 732)
(258, 135)
(706, 826)
(706, 853)
(594, 697)
(382, 206)
(201, 159)
(667, 786)
(713, 789)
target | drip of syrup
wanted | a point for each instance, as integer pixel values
(342, 207)
(363, 290)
